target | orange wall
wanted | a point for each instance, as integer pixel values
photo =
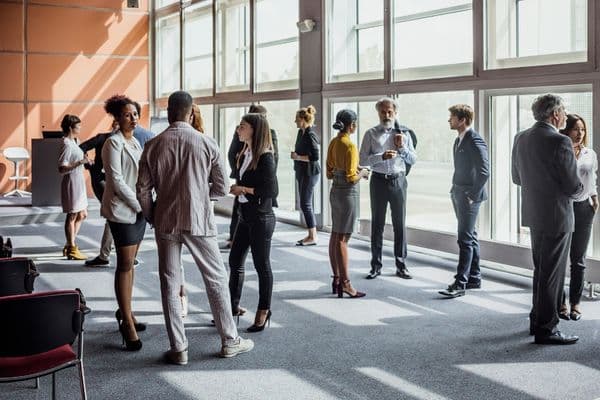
(67, 56)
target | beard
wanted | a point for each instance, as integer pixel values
(387, 123)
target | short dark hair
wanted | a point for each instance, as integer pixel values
(179, 104)
(461, 111)
(69, 121)
(114, 105)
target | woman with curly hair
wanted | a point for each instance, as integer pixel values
(120, 155)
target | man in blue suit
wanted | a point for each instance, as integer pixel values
(471, 172)
(141, 134)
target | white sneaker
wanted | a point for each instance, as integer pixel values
(177, 357)
(242, 346)
(184, 306)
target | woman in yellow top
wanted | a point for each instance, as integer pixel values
(342, 167)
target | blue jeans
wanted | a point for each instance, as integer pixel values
(468, 259)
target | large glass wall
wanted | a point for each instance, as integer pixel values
(198, 49)
(432, 39)
(535, 32)
(167, 55)
(277, 58)
(354, 40)
(233, 45)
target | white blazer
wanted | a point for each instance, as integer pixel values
(119, 203)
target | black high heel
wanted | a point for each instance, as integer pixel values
(342, 290)
(130, 345)
(260, 328)
(139, 326)
(335, 282)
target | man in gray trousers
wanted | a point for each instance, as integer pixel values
(186, 171)
(544, 165)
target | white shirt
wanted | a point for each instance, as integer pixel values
(243, 168)
(461, 135)
(587, 166)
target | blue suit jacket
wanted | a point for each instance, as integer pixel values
(471, 166)
(142, 135)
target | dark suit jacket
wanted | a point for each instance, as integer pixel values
(236, 146)
(544, 165)
(264, 181)
(96, 170)
(307, 144)
(471, 166)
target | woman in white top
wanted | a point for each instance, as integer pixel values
(584, 208)
(120, 156)
(73, 193)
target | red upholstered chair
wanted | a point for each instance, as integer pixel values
(16, 276)
(37, 332)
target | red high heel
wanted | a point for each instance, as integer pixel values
(346, 287)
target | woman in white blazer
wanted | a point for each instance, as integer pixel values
(120, 156)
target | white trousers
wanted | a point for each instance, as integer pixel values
(206, 254)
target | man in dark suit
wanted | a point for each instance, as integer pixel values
(471, 172)
(544, 165)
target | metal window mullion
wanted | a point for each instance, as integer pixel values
(181, 44)
(251, 57)
(387, 41)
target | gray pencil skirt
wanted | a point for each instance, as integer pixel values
(344, 199)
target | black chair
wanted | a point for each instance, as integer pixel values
(17, 276)
(37, 332)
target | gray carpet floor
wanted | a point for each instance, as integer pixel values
(402, 341)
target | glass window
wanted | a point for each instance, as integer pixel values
(229, 118)
(163, 3)
(535, 32)
(198, 49)
(233, 41)
(432, 39)
(207, 112)
(281, 115)
(277, 58)
(355, 40)
(510, 114)
(428, 200)
(167, 55)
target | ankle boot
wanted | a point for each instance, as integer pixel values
(73, 253)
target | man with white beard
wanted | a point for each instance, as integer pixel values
(389, 150)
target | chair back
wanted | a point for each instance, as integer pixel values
(39, 322)
(16, 276)
(16, 153)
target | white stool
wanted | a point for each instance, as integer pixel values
(16, 155)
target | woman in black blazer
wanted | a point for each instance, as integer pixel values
(306, 165)
(255, 191)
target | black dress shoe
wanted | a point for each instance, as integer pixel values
(373, 274)
(403, 273)
(556, 338)
(474, 285)
(453, 291)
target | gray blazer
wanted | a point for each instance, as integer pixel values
(186, 170)
(119, 203)
(544, 165)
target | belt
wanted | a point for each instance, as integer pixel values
(388, 177)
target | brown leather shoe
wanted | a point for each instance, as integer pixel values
(563, 313)
(575, 312)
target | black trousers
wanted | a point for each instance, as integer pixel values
(234, 218)
(384, 190)
(253, 232)
(550, 251)
(584, 218)
(306, 187)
